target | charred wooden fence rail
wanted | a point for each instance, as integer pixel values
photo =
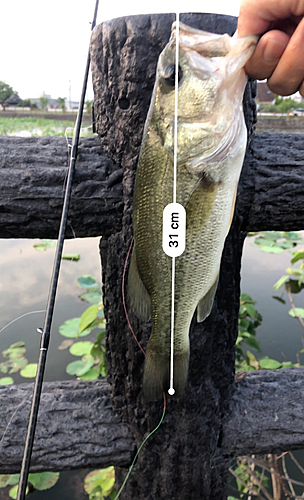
(216, 419)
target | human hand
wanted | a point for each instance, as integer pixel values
(279, 54)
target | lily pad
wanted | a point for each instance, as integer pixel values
(70, 329)
(14, 490)
(79, 368)
(104, 478)
(297, 312)
(81, 348)
(92, 374)
(29, 371)
(43, 480)
(269, 364)
(87, 281)
(93, 297)
(65, 344)
(71, 256)
(6, 381)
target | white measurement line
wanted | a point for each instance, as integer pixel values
(176, 108)
(171, 390)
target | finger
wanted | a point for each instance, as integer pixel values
(256, 16)
(301, 89)
(267, 54)
(288, 74)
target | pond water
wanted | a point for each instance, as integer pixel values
(25, 275)
(24, 284)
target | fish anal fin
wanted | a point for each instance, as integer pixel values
(205, 304)
(137, 293)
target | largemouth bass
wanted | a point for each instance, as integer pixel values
(211, 142)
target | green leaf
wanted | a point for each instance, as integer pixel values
(81, 348)
(29, 371)
(11, 479)
(70, 329)
(105, 478)
(294, 271)
(269, 364)
(88, 317)
(14, 490)
(6, 381)
(87, 281)
(43, 480)
(79, 368)
(297, 256)
(17, 364)
(92, 297)
(280, 282)
(292, 235)
(269, 249)
(250, 310)
(251, 360)
(14, 353)
(297, 312)
(71, 256)
(4, 480)
(91, 374)
(246, 298)
(252, 342)
(287, 364)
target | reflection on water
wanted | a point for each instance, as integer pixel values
(279, 334)
(25, 275)
(24, 284)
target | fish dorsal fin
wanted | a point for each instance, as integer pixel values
(138, 296)
(205, 304)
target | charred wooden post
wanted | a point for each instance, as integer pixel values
(188, 456)
(184, 458)
(33, 172)
(85, 432)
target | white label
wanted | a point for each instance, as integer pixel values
(174, 229)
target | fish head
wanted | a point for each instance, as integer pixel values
(211, 81)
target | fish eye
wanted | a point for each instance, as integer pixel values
(169, 75)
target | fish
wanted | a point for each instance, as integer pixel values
(211, 143)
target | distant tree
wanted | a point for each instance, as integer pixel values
(5, 92)
(89, 105)
(43, 102)
(61, 102)
(26, 103)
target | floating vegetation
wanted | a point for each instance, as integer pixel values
(37, 127)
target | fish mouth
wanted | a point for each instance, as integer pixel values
(204, 43)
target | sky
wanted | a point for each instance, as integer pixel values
(44, 46)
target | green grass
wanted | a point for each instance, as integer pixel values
(36, 127)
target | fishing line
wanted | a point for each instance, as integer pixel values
(19, 317)
(144, 353)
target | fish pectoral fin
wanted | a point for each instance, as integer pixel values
(205, 304)
(137, 293)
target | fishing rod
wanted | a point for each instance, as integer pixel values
(45, 332)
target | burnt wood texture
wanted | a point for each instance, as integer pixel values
(33, 172)
(188, 456)
(78, 428)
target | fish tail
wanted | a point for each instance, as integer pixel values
(157, 374)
